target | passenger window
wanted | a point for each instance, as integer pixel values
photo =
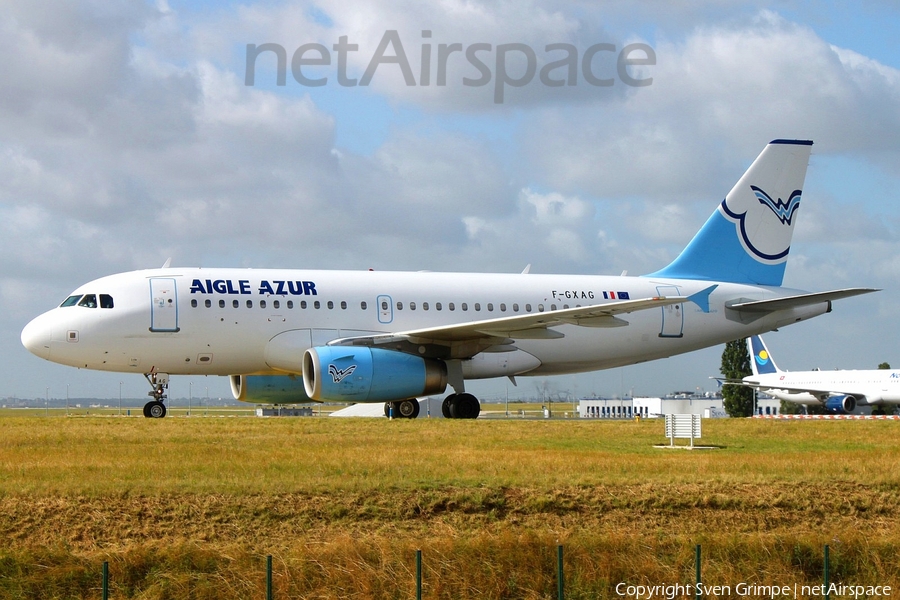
(89, 301)
(465, 306)
(344, 304)
(276, 304)
(515, 307)
(364, 306)
(399, 306)
(330, 305)
(262, 303)
(451, 306)
(317, 305)
(208, 303)
(106, 301)
(527, 308)
(437, 306)
(235, 303)
(478, 306)
(552, 307)
(384, 305)
(424, 306)
(290, 304)
(221, 304)
(70, 301)
(502, 307)
(490, 307)
(412, 306)
(249, 303)
(303, 304)
(193, 303)
(540, 308)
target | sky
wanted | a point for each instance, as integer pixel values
(129, 135)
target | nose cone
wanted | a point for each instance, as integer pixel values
(36, 337)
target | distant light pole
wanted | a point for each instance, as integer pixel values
(120, 398)
(190, 396)
(206, 411)
(67, 399)
(507, 400)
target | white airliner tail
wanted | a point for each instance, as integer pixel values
(761, 362)
(748, 237)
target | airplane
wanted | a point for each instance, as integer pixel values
(838, 391)
(294, 336)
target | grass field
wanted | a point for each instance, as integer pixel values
(190, 507)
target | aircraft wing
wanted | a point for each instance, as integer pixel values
(464, 340)
(788, 388)
(765, 306)
(765, 387)
(822, 391)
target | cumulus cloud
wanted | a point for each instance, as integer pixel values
(718, 95)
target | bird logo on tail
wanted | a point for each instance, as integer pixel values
(783, 210)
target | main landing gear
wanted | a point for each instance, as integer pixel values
(155, 409)
(404, 409)
(460, 406)
(455, 406)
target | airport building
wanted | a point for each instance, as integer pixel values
(709, 404)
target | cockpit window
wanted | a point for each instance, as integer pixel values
(106, 301)
(70, 301)
(89, 301)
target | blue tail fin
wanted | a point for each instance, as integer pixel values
(761, 361)
(748, 237)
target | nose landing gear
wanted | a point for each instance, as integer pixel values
(155, 409)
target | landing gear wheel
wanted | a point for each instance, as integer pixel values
(445, 406)
(464, 406)
(408, 409)
(154, 410)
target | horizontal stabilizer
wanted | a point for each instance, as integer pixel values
(765, 306)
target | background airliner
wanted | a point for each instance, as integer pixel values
(301, 335)
(838, 391)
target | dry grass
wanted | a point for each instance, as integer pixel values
(190, 507)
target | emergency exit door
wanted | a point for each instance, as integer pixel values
(672, 315)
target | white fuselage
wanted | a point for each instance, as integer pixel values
(260, 321)
(811, 387)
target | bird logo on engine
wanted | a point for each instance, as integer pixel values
(338, 375)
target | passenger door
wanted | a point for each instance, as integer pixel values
(163, 305)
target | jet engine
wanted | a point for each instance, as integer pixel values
(356, 374)
(269, 389)
(842, 404)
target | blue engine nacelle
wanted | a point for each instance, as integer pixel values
(356, 374)
(842, 405)
(269, 389)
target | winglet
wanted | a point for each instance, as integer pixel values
(701, 298)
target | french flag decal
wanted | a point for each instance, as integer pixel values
(616, 296)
